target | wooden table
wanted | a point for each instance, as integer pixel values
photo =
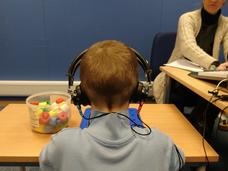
(19, 144)
(200, 87)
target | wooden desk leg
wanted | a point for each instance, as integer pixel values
(168, 89)
(22, 168)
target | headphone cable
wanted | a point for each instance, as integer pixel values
(214, 94)
(105, 114)
(204, 130)
(180, 159)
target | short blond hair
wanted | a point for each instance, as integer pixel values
(109, 69)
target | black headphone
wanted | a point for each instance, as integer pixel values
(142, 92)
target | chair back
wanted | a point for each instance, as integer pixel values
(162, 47)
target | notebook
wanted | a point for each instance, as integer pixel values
(210, 75)
(133, 114)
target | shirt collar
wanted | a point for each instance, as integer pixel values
(208, 18)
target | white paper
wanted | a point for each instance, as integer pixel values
(186, 65)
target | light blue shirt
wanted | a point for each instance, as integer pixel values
(109, 144)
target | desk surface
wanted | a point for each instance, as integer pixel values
(18, 143)
(200, 87)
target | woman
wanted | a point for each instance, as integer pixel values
(199, 36)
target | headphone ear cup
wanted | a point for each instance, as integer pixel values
(139, 94)
(80, 97)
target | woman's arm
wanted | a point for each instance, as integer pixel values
(225, 40)
(188, 45)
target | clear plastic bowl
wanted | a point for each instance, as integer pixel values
(49, 111)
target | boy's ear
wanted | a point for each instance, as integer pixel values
(141, 92)
(79, 97)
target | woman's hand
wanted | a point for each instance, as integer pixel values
(222, 67)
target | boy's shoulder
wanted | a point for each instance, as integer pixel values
(156, 135)
(66, 132)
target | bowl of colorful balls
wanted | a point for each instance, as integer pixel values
(49, 111)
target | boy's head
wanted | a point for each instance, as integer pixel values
(109, 73)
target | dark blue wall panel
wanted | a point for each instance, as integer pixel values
(38, 38)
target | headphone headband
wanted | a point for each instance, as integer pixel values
(144, 64)
(73, 67)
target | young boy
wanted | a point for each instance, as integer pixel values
(109, 76)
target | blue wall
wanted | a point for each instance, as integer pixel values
(38, 38)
